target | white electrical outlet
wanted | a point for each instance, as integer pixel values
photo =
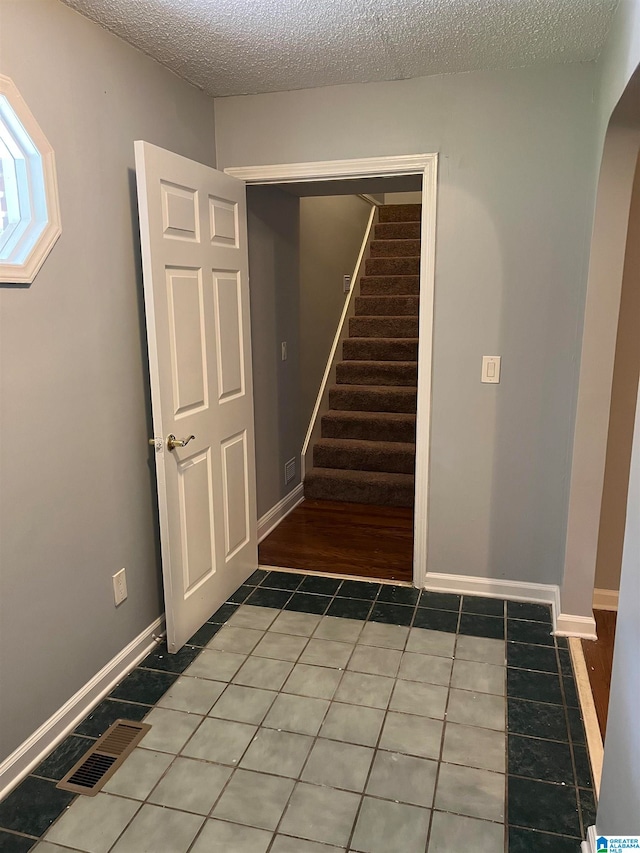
(283, 346)
(120, 586)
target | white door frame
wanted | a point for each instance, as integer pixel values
(425, 165)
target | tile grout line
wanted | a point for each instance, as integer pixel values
(376, 748)
(279, 692)
(315, 738)
(442, 736)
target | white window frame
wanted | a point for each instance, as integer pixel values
(43, 198)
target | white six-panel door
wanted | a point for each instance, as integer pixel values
(194, 252)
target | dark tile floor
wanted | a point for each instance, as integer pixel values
(469, 700)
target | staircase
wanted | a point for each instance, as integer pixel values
(366, 453)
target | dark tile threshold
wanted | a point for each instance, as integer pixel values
(477, 625)
(33, 806)
(10, 843)
(534, 841)
(550, 798)
(533, 804)
(483, 606)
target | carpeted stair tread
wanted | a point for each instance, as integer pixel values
(383, 327)
(368, 487)
(390, 285)
(367, 450)
(387, 306)
(391, 456)
(369, 426)
(373, 398)
(395, 248)
(380, 349)
(404, 373)
(397, 231)
(393, 266)
(400, 213)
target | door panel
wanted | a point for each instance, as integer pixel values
(228, 302)
(196, 513)
(235, 496)
(187, 335)
(179, 212)
(223, 221)
(194, 249)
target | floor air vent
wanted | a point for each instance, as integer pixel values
(97, 765)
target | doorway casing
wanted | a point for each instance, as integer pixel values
(425, 165)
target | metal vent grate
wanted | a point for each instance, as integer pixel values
(290, 471)
(100, 762)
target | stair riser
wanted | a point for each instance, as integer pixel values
(383, 327)
(369, 430)
(401, 462)
(392, 266)
(387, 306)
(400, 213)
(390, 285)
(397, 231)
(379, 349)
(317, 488)
(359, 398)
(395, 248)
(376, 373)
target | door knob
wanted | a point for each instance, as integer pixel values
(173, 442)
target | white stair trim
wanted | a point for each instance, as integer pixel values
(342, 333)
(36, 748)
(272, 518)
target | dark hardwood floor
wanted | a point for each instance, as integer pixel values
(345, 538)
(598, 655)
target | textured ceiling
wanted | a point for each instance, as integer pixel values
(231, 47)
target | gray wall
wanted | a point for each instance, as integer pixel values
(618, 812)
(516, 192)
(274, 269)
(620, 787)
(626, 372)
(77, 485)
(331, 233)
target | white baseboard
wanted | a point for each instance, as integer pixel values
(537, 593)
(271, 519)
(589, 846)
(30, 753)
(605, 599)
(576, 626)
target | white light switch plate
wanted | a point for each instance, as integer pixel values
(491, 369)
(120, 586)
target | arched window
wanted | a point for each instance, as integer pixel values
(29, 210)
